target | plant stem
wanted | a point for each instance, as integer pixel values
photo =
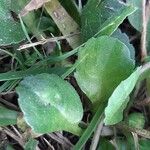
(145, 71)
(80, 5)
(144, 31)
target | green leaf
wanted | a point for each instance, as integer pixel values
(136, 18)
(122, 144)
(15, 7)
(112, 23)
(96, 13)
(125, 39)
(136, 120)
(46, 24)
(104, 144)
(7, 117)
(31, 144)
(10, 30)
(103, 69)
(119, 99)
(144, 144)
(32, 20)
(9, 147)
(50, 104)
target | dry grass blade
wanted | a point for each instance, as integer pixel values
(8, 104)
(48, 143)
(64, 22)
(141, 132)
(32, 5)
(148, 10)
(17, 132)
(144, 102)
(97, 135)
(136, 142)
(44, 41)
(61, 140)
(13, 136)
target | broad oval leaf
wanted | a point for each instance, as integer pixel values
(107, 63)
(10, 30)
(119, 99)
(49, 103)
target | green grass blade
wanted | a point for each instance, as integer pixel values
(15, 75)
(70, 70)
(88, 132)
(7, 116)
(13, 56)
(28, 38)
(12, 85)
(5, 85)
(52, 59)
